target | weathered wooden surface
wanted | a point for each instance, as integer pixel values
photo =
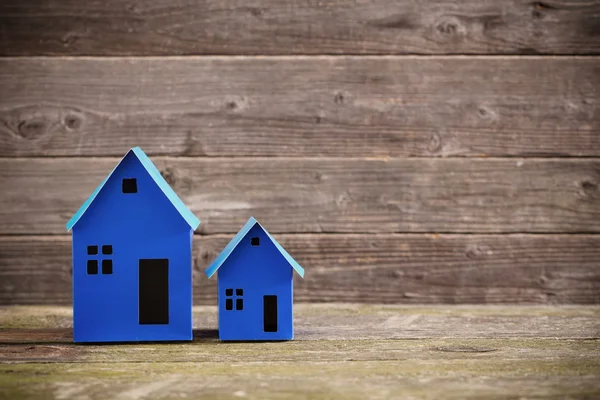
(328, 195)
(341, 351)
(339, 321)
(166, 27)
(301, 106)
(390, 268)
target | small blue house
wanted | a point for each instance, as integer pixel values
(255, 287)
(132, 258)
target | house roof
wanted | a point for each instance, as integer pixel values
(187, 215)
(238, 238)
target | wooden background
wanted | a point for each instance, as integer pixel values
(439, 151)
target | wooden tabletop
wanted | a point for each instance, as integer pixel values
(341, 351)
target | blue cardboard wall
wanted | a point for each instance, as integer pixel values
(258, 271)
(139, 225)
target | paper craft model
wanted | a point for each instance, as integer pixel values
(255, 287)
(132, 258)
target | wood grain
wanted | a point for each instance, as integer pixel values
(184, 27)
(342, 351)
(301, 106)
(342, 321)
(328, 195)
(384, 268)
(454, 377)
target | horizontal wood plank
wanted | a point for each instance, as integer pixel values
(183, 27)
(39, 195)
(464, 376)
(340, 351)
(301, 106)
(543, 269)
(342, 321)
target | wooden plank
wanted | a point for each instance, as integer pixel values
(301, 106)
(451, 378)
(343, 321)
(407, 268)
(180, 27)
(452, 352)
(328, 195)
(336, 350)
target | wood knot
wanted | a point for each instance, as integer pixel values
(73, 122)
(33, 128)
(338, 98)
(132, 8)
(169, 176)
(434, 144)
(256, 11)
(589, 186)
(486, 113)
(539, 7)
(450, 28)
(474, 251)
(69, 39)
(343, 200)
(233, 103)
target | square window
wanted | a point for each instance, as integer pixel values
(92, 250)
(229, 304)
(107, 249)
(107, 267)
(92, 267)
(129, 185)
(228, 292)
(255, 241)
(239, 292)
(239, 304)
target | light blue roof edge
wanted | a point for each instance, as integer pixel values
(187, 215)
(210, 271)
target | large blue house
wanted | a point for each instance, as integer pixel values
(255, 287)
(132, 258)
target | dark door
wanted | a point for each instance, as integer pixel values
(154, 291)
(270, 313)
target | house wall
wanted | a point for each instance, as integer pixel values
(138, 226)
(259, 271)
(433, 151)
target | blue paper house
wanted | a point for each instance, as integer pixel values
(255, 287)
(132, 258)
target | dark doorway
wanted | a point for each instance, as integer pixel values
(270, 313)
(154, 291)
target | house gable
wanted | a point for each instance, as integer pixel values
(154, 173)
(241, 235)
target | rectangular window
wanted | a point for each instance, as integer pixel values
(92, 267)
(92, 264)
(239, 301)
(107, 267)
(129, 185)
